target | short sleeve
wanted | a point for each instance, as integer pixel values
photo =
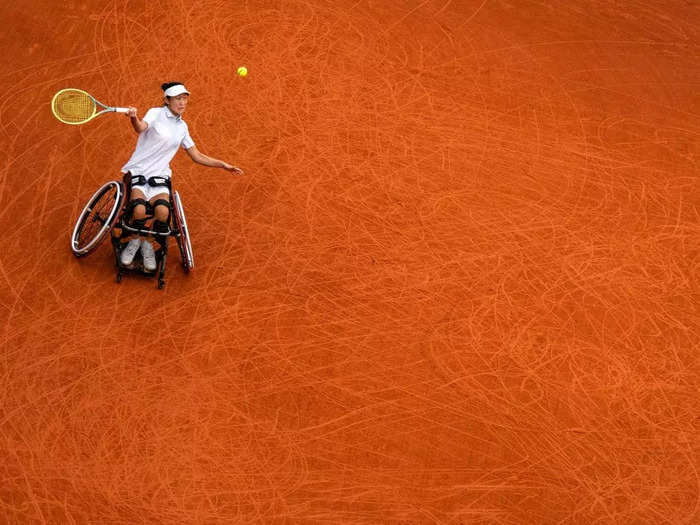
(151, 115)
(187, 141)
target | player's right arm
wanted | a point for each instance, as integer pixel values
(139, 125)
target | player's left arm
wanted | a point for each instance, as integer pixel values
(205, 160)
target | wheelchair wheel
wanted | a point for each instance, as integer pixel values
(182, 234)
(97, 218)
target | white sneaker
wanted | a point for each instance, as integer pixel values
(129, 251)
(149, 256)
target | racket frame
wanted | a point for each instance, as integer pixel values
(95, 113)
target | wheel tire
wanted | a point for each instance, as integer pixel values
(182, 236)
(97, 218)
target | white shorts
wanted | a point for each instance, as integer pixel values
(150, 191)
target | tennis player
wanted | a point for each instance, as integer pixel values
(161, 132)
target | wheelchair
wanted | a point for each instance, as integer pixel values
(108, 212)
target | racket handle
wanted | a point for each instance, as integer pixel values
(121, 110)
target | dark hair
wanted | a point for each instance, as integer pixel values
(168, 85)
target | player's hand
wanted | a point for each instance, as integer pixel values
(133, 112)
(232, 169)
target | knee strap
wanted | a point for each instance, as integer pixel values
(166, 205)
(136, 202)
(160, 226)
(139, 224)
(162, 202)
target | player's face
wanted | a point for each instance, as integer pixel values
(178, 104)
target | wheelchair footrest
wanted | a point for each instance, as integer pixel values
(147, 232)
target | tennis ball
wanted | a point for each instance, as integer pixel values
(242, 71)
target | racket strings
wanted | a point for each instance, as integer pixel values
(73, 106)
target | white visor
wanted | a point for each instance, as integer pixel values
(174, 91)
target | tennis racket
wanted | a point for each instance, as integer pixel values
(75, 106)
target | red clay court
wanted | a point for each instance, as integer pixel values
(458, 283)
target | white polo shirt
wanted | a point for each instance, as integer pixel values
(157, 146)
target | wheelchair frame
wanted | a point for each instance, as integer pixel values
(105, 212)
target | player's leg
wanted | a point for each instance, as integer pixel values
(137, 217)
(161, 215)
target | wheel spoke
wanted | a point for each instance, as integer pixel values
(96, 217)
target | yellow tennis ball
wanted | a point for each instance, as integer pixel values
(242, 71)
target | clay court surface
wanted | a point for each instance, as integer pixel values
(458, 283)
